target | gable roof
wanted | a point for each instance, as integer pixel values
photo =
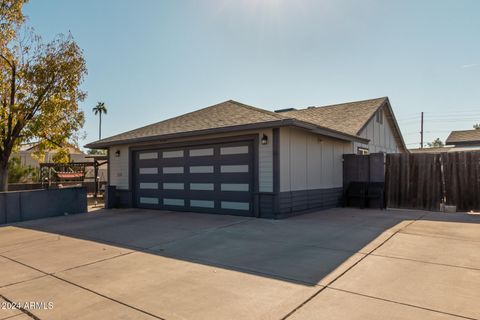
(223, 117)
(342, 121)
(464, 137)
(348, 117)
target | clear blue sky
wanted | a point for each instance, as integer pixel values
(150, 60)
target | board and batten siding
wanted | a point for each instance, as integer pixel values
(119, 166)
(309, 161)
(380, 135)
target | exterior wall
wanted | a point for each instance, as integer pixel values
(380, 136)
(311, 171)
(309, 161)
(120, 166)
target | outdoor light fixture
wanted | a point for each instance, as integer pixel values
(117, 153)
(264, 139)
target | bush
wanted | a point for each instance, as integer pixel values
(20, 174)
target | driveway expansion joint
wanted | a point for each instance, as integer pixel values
(78, 286)
(349, 268)
(403, 304)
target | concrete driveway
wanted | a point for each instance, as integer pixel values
(333, 264)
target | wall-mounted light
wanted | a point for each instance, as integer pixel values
(264, 139)
(117, 153)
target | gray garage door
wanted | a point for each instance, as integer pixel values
(209, 178)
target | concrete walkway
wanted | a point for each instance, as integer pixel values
(333, 264)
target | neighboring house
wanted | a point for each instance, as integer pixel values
(430, 150)
(27, 158)
(465, 140)
(236, 159)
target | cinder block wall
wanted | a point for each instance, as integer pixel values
(37, 204)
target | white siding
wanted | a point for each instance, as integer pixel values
(309, 161)
(118, 167)
(380, 136)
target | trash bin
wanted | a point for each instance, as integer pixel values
(110, 201)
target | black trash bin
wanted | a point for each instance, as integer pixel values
(111, 198)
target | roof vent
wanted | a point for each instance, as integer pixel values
(311, 107)
(285, 110)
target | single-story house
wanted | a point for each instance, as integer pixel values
(464, 140)
(233, 158)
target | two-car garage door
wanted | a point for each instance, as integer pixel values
(215, 178)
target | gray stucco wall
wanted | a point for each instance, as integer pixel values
(36, 204)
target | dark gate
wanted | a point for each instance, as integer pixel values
(425, 180)
(363, 168)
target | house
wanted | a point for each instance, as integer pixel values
(431, 150)
(233, 158)
(27, 159)
(465, 140)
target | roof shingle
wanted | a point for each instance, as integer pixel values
(464, 136)
(346, 117)
(342, 121)
(226, 114)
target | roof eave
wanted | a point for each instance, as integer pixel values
(466, 143)
(329, 132)
(253, 126)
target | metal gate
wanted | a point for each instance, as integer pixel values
(215, 178)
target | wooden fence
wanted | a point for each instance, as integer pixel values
(424, 180)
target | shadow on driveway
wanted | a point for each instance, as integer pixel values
(303, 249)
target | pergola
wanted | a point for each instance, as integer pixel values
(71, 172)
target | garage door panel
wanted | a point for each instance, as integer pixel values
(235, 159)
(148, 178)
(235, 196)
(172, 178)
(197, 194)
(235, 178)
(172, 162)
(202, 161)
(207, 178)
(148, 192)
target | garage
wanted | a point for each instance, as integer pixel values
(232, 158)
(213, 178)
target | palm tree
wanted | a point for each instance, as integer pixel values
(99, 109)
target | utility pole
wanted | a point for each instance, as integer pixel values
(421, 132)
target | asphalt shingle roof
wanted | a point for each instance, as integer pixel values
(346, 117)
(226, 114)
(464, 136)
